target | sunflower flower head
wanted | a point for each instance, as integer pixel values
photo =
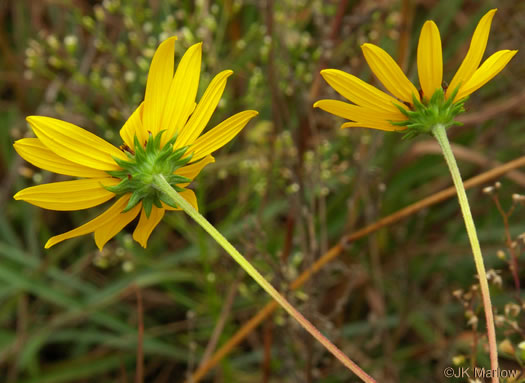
(408, 109)
(163, 136)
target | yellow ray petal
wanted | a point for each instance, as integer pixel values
(107, 231)
(202, 114)
(389, 73)
(132, 127)
(475, 53)
(182, 91)
(192, 170)
(220, 135)
(358, 113)
(429, 59)
(359, 92)
(385, 127)
(189, 196)
(146, 225)
(158, 85)
(35, 152)
(486, 72)
(92, 225)
(69, 195)
(76, 144)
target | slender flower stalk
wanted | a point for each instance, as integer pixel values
(430, 109)
(160, 183)
(441, 136)
(163, 151)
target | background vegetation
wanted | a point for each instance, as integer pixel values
(401, 302)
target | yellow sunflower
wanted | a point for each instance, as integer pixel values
(162, 136)
(375, 109)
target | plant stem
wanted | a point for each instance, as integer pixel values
(441, 136)
(159, 182)
(139, 373)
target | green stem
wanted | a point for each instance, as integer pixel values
(159, 182)
(441, 136)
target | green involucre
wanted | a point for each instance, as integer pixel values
(137, 173)
(437, 111)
